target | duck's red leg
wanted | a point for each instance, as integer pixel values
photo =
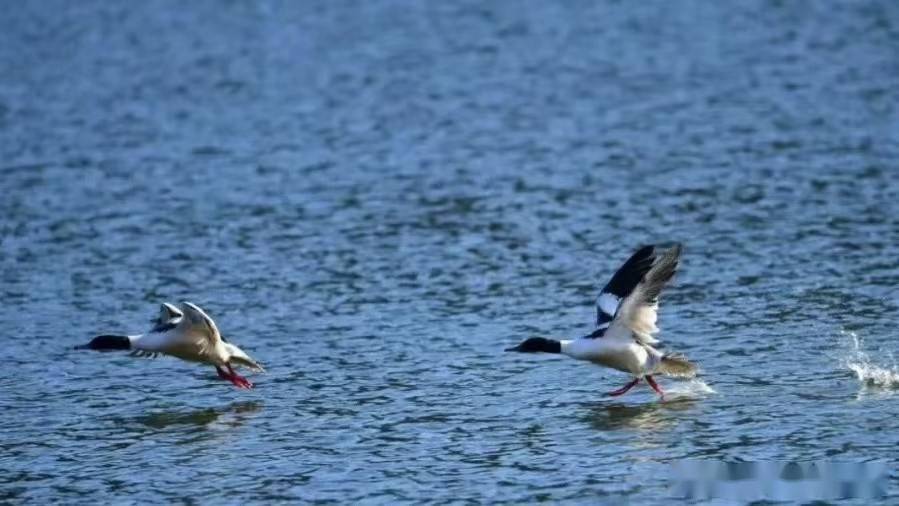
(238, 380)
(624, 389)
(655, 386)
(222, 374)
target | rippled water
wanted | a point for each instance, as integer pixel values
(375, 198)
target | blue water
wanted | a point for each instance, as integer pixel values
(376, 198)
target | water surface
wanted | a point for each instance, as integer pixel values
(376, 198)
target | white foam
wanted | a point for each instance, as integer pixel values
(868, 372)
(873, 375)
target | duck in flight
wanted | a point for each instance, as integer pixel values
(626, 314)
(185, 332)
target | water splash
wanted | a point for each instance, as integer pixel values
(688, 389)
(868, 372)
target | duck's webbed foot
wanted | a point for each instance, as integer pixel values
(235, 379)
(623, 390)
(655, 386)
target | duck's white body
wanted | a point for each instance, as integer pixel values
(622, 353)
(187, 347)
(180, 345)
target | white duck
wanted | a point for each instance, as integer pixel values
(185, 332)
(626, 314)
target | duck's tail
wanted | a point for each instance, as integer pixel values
(240, 358)
(677, 365)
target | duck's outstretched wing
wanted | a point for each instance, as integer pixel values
(168, 318)
(622, 284)
(638, 311)
(197, 327)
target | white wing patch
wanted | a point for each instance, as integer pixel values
(623, 282)
(200, 328)
(608, 304)
(639, 310)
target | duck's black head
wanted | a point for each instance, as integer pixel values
(538, 344)
(107, 343)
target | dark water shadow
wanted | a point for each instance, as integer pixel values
(651, 416)
(235, 414)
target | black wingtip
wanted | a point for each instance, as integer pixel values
(644, 251)
(631, 272)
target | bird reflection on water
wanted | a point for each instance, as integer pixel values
(649, 417)
(233, 415)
